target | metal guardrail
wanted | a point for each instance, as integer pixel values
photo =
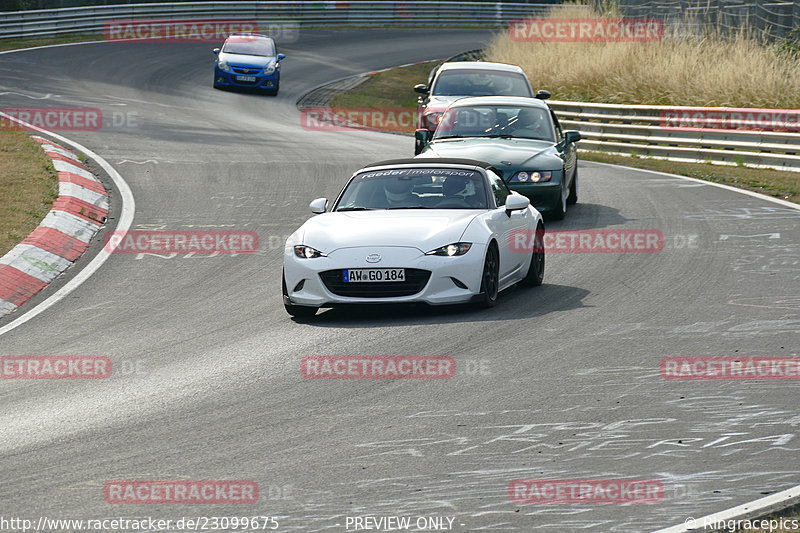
(304, 13)
(775, 19)
(641, 130)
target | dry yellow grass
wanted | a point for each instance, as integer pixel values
(707, 70)
(28, 186)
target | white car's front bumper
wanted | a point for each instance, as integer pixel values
(305, 285)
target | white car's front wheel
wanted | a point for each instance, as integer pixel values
(490, 279)
(535, 275)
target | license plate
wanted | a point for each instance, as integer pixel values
(245, 78)
(360, 275)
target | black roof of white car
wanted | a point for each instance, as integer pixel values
(432, 162)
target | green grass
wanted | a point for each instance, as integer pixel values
(28, 186)
(390, 89)
(714, 68)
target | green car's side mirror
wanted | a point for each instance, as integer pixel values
(421, 140)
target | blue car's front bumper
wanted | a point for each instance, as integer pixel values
(234, 79)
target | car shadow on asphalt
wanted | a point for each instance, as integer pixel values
(515, 303)
(587, 216)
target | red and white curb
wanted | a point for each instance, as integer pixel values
(64, 234)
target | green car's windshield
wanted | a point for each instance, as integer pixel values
(414, 188)
(496, 122)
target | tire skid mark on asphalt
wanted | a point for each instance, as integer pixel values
(623, 438)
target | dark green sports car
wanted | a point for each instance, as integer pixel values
(519, 136)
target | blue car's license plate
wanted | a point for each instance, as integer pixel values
(245, 78)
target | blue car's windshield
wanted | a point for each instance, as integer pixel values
(414, 188)
(250, 46)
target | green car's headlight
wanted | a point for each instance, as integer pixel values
(531, 176)
(457, 248)
(307, 252)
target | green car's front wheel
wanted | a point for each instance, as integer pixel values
(573, 188)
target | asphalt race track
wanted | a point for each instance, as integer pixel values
(556, 382)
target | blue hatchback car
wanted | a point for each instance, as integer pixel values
(248, 60)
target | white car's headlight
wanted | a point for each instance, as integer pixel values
(307, 252)
(457, 248)
(223, 65)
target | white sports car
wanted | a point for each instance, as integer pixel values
(438, 231)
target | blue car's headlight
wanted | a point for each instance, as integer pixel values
(223, 65)
(531, 176)
(307, 252)
(457, 248)
(269, 69)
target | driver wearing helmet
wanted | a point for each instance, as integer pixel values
(458, 189)
(531, 124)
(399, 193)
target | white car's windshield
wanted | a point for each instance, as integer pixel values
(480, 83)
(496, 121)
(249, 46)
(414, 188)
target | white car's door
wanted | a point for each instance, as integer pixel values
(512, 263)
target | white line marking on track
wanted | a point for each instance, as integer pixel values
(125, 221)
(752, 509)
(45, 97)
(709, 183)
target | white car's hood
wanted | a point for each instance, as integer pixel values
(426, 229)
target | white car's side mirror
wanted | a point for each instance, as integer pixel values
(516, 202)
(318, 206)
